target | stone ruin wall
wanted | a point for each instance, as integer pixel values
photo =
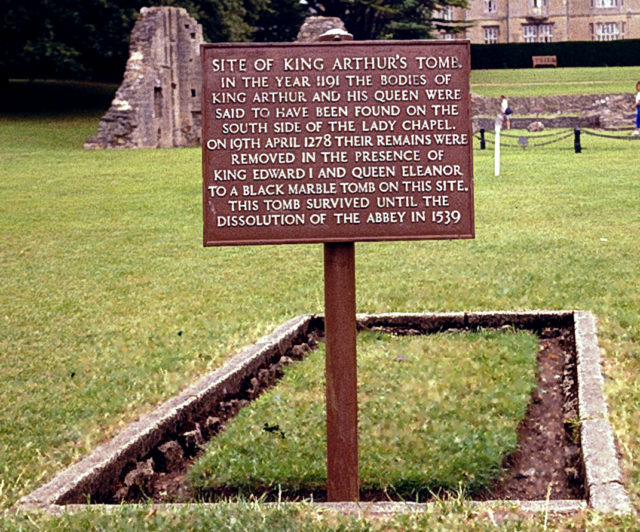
(314, 27)
(158, 103)
(609, 111)
(537, 105)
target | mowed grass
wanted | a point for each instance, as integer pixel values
(109, 303)
(552, 81)
(436, 414)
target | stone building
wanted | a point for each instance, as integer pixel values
(503, 21)
(158, 103)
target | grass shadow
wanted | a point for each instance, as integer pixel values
(26, 98)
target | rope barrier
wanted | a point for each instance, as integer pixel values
(524, 140)
(618, 137)
(554, 134)
(502, 144)
(558, 138)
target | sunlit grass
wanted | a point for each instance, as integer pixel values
(552, 81)
(435, 413)
(102, 268)
(252, 515)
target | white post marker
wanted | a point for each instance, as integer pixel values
(497, 147)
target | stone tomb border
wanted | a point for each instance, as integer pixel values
(603, 477)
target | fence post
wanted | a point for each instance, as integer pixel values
(576, 140)
(483, 143)
(496, 148)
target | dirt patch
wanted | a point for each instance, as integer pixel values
(546, 464)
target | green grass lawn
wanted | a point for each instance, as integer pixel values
(421, 399)
(550, 81)
(109, 304)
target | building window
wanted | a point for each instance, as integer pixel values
(545, 33)
(607, 31)
(448, 36)
(489, 6)
(537, 32)
(538, 3)
(490, 34)
(446, 13)
(530, 33)
(605, 3)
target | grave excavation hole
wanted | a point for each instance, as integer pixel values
(547, 462)
(99, 472)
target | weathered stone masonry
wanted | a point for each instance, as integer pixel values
(158, 103)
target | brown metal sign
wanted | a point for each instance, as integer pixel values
(336, 142)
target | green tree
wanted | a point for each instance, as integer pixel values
(378, 19)
(278, 21)
(90, 38)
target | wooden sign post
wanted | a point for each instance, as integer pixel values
(341, 372)
(334, 143)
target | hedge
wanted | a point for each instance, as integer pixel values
(570, 54)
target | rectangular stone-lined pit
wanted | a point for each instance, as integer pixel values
(602, 471)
